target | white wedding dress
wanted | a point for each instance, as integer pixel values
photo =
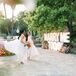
(22, 52)
(32, 51)
(18, 48)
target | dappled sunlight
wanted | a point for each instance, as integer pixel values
(19, 8)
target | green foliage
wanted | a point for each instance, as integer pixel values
(20, 23)
(50, 15)
(9, 27)
(5, 26)
(73, 37)
(54, 3)
(40, 18)
(18, 1)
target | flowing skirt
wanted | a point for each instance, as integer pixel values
(22, 52)
(18, 48)
(32, 52)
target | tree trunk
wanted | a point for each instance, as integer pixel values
(69, 25)
(5, 9)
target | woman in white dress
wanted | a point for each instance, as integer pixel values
(32, 52)
(21, 48)
(18, 47)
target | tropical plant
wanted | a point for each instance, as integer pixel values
(20, 23)
(51, 15)
(5, 26)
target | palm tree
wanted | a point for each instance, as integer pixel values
(4, 8)
(12, 3)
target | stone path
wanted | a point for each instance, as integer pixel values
(50, 63)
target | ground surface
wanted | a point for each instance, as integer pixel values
(50, 63)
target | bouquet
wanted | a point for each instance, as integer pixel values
(28, 45)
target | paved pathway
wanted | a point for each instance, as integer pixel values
(50, 63)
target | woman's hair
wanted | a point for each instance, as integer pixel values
(26, 35)
(21, 31)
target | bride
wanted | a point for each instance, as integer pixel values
(18, 47)
(23, 47)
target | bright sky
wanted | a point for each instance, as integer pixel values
(27, 6)
(30, 4)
